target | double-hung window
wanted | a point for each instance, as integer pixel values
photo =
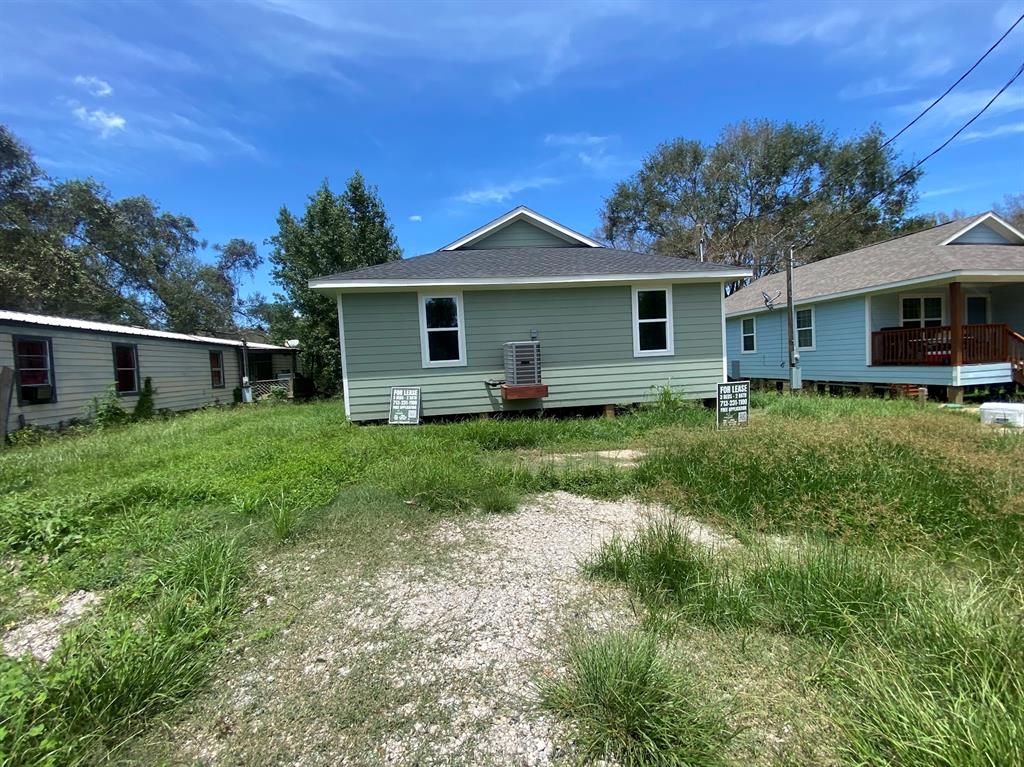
(442, 331)
(217, 369)
(749, 325)
(652, 322)
(921, 311)
(33, 370)
(805, 328)
(126, 368)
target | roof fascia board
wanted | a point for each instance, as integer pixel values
(990, 216)
(510, 282)
(1000, 275)
(520, 214)
(133, 333)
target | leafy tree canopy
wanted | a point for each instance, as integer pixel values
(760, 187)
(71, 249)
(337, 232)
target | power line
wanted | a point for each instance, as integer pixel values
(959, 80)
(805, 196)
(923, 160)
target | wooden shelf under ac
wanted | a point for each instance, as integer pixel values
(524, 391)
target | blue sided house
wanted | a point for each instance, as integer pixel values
(941, 308)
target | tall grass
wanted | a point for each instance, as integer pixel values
(923, 670)
(111, 673)
(630, 705)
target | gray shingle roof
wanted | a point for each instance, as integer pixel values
(525, 263)
(913, 256)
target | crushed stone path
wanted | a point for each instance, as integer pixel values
(431, 663)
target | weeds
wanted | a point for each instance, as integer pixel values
(923, 671)
(631, 705)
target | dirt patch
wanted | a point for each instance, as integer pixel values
(430, 661)
(626, 459)
(40, 637)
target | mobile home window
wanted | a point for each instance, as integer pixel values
(749, 335)
(652, 322)
(805, 328)
(442, 331)
(217, 370)
(33, 370)
(126, 368)
(921, 311)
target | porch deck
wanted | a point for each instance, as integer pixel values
(941, 345)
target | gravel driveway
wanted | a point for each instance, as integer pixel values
(430, 662)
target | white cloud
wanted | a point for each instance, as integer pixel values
(416, 218)
(833, 27)
(943, 192)
(959, 105)
(1007, 13)
(1009, 129)
(877, 86)
(94, 85)
(107, 123)
(494, 193)
(575, 139)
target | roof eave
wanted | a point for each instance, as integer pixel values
(717, 275)
(989, 274)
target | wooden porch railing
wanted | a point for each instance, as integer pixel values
(1016, 354)
(933, 346)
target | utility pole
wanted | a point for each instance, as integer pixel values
(795, 379)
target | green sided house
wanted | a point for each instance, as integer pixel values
(524, 313)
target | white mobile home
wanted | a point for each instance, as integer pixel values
(62, 365)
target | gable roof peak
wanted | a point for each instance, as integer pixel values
(993, 221)
(523, 213)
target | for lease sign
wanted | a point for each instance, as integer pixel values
(733, 403)
(405, 405)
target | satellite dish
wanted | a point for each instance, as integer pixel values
(769, 301)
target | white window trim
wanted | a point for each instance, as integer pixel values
(669, 322)
(422, 298)
(743, 335)
(813, 328)
(922, 297)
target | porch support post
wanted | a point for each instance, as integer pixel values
(956, 322)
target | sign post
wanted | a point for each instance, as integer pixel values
(733, 404)
(405, 405)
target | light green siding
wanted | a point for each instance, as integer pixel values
(84, 370)
(586, 338)
(520, 234)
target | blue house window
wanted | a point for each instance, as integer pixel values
(749, 335)
(805, 328)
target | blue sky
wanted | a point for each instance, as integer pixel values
(460, 111)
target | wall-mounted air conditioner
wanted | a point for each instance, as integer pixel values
(522, 371)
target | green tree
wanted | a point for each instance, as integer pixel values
(760, 187)
(337, 232)
(70, 248)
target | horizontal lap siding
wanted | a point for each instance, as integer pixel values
(839, 353)
(586, 348)
(84, 370)
(519, 234)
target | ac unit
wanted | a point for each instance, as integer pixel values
(522, 363)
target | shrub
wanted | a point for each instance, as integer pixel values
(107, 411)
(628, 704)
(144, 407)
